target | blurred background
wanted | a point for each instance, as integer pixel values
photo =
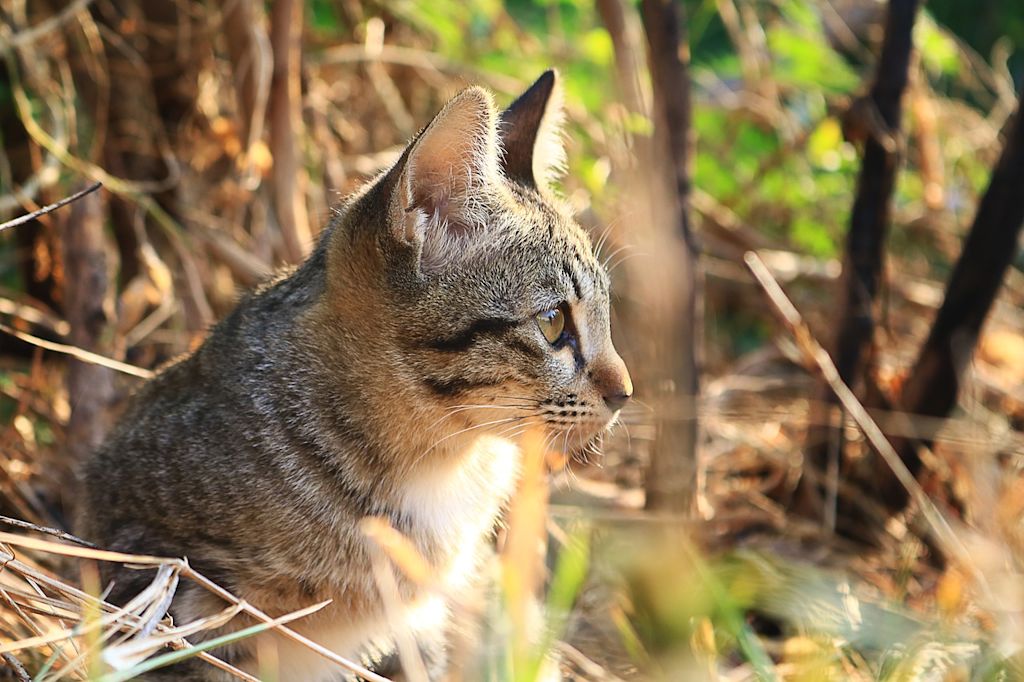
(738, 524)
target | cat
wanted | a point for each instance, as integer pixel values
(449, 304)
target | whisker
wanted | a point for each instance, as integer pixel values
(635, 402)
(622, 260)
(549, 439)
(456, 409)
(573, 478)
(484, 407)
(629, 442)
(595, 447)
(515, 430)
(603, 239)
(614, 253)
(466, 430)
(565, 439)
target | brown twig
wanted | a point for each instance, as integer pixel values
(88, 306)
(829, 373)
(29, 217)
(613, 15)
(78, 353)
(17, 667)
(27, 35)
(382, 82)
(250, 51)
(417, 59)
(319, 649)
(285, 113)
(55, 532)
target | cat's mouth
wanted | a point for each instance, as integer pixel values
(579, 435)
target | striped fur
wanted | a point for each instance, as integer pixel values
(386, 376)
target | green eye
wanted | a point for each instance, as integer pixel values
(552, 324)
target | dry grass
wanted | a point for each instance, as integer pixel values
(69, 632)
(743, 589)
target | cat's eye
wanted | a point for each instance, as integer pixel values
(552, 324)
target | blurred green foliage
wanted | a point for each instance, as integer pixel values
(772, 149)
(792, 177)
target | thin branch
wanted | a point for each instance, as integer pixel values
(46, 176)
(414, 58)
(670, 481)
(286, 129)
(251, 56)
(89, 307)
(319, 649)
(829, 373)
(55, 532)
(613, 15)
(19, 670)
(79, 354)
(29, 217)
(28, 35)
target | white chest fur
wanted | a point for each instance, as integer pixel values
(452, 509)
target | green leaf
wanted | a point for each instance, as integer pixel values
(824, 146)
(812, 236)
(938, 50)
(804, 61)
(596, 46)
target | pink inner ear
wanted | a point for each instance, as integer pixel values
(456, 152)
(441, 214)
(452, 161)
(434, 202)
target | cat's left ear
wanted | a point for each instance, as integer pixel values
(530, 133)
(436, 204)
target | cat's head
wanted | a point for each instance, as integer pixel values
(484, 295)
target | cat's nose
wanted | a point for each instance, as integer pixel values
(616, 401)
(611, 378)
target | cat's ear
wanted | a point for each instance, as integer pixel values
(442, 175)
(530, 131)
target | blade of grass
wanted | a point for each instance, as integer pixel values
(750, 646)
(566, 583)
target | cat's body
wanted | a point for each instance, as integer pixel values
(383, 378)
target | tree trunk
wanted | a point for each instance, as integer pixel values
(877, 118)
(88, 307)
(933, 386)
(671, 478)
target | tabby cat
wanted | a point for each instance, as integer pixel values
(449, 304)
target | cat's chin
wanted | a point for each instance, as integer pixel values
(580, 437)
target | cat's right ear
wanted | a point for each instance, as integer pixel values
(531, 134)
(435, 200)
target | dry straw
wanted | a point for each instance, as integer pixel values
(73, 633)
